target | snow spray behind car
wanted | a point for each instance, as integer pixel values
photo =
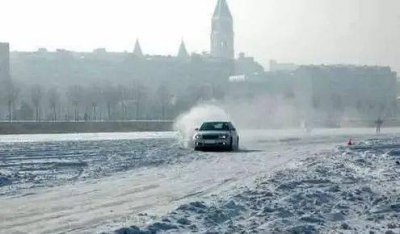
(186, 123)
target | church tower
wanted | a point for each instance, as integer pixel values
(138, 49)
(182, 53)
(222, 36)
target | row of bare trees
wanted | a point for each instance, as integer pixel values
(87, 103)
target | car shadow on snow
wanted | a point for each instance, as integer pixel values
(247, 151)
(233, 152)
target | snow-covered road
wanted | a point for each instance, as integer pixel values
(114, 189)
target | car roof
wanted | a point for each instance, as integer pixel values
(217, 122)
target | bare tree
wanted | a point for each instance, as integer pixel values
(110, 95)
(11, 96)
(95, 95)
(94, 104)
(53, 99)
(74, 94)
(36, 96)
(139, 97)
(25, 111)
(123, 96)
(164, 97)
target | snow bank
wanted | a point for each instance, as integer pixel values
(350, 190)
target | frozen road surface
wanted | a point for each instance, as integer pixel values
(93, 183)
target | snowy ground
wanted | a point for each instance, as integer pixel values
(351, 190)
(280, 181)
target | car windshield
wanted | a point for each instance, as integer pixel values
(215, 126)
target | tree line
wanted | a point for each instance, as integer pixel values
(94, 102)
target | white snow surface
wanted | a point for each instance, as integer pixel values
(281, 181)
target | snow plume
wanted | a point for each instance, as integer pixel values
(186, 123)
(263, 111)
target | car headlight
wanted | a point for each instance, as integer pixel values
(223, 136)
(197, 136)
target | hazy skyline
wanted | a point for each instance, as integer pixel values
(301, 31)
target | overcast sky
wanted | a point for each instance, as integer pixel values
(300, 31)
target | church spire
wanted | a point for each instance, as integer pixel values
(182, 51)
(222, 35)
(222, 10)
(138, 50)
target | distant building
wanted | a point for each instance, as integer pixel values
(182, 53)
(222, 35)
(238, 78)
(42, 50)
(335, 93)
(248, 66)
(321, 95)
(65, 67)
(324, 95)
(100, 51)
(4, 61)
(138, 49)
(274, 66)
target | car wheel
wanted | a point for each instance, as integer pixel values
(231, 145)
